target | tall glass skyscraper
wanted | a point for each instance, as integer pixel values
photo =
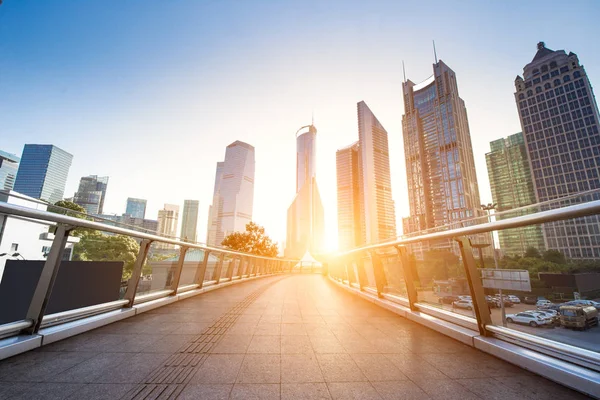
(9, 165)
(43, 172)
(559, 117)
(136, 208)
(91, 193)
(512, 187)
(348, 197)
(168, 219)
(442, 183)
(189, 220)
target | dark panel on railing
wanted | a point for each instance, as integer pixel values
(78, 284)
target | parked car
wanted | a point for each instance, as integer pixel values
(492, 302)
(465, 297)
(514, 299)
(530, 300)
(505, 299)
(448, 299)
(543, 303)
(531, 319)
(467, 304)
(552, 315)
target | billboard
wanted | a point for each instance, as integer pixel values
(509, 279)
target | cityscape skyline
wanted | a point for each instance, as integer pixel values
(472, 59)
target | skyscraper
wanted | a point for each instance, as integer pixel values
(512, 187)
(234, 193)
(348, 197)
(366, 212)
(441, 178)
(91, 193)
(305, 216)
(168, 218)
(189, 220)
(559, 117)
(136, 208)
(9, 164)
(43, 172)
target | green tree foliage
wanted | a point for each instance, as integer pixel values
(440, 265)
(62, 207)
(532, 252)
(96, 246)
(554, 256)
(253, 241)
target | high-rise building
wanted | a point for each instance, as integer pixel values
(512, 188)
(442, 183)
(559, 117)
(189, 220)
(233, 193)
(305, 216)
(348, 197)
(43, 172)
(136, 208)
(168, 218)
(91, 193)
(9, 165)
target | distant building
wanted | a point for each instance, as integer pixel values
(168, 218)
(233, 196)
(348, 197)
(512, 187)
(189, 220)
(136, 208)
(559, 117)
(9, 165)
(129, 222)
(305, 216)
(43, 172)
(91, 193)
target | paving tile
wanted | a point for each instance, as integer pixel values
(242, 328)
(353, 390)
(377, 368)
(104, 391)
(304, 391)
(293, 329)
(260, 368)
(415, 367)
(539, 388)
(298, 368)
(326, 345)
(445, 389)
(219, 368)
(265, 345)
(205, 391)
(232, 344)
(40, 366)
(491, 389)
(400, 390)
(10, 389)
(135, 368)
(92, 369)
(296, 345)
(256, 391)
(340, 368)
(455, 370)
(48, 391)
(267, 328)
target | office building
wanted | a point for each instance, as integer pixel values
(189, 220)
(129, 222)
(136, 208)
(512, 189)
(559, 117)
(348, 197)
(233, 195)
(91, 193)
(168, 218)
(9, 165)
(305, 216)
(441, 179)
(43, 172)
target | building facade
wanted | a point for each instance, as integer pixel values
(91, 193)
(233, 197)
(347, 162)
(440, 168)
(559, 117)
(43, 172)
(168, 219)
(512, 188)
(305, 216)
(189, 220)
(9, 165)
(136, 208)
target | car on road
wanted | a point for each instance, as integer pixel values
(492, 302)
(449, 299)
(466, 304)
(543, 303)
(528, 318)
(514, 299)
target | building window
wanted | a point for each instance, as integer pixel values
(536, 72)
(566, 78)
(576, 74)
(521, 96)
(547, 85)
(538, 89)
(556, 82)
(529, 93)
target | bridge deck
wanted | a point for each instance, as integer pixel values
(290, 337)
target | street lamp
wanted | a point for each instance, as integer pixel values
(487, 209)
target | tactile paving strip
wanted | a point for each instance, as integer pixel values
(168, 380)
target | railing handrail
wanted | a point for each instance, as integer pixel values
(13, 209)
(557, 214)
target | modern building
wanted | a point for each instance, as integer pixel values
(91, 193)
(189, 220)
(43, 172)
(136, 208)
(348, 197)
(365, 206)
(441, 179)
(512, 189)
(168, 219)
(9, 165)
(127, 221)
(233, 196)
(559, 117)
(305, 216)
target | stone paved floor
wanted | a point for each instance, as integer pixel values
(302, 338)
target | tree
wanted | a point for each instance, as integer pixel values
(253, 241)
(96, 246)
(62, 207)
(554, 256)
(532, 252)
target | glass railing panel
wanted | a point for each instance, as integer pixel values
(225, 268)
(211, 267)
(192, 263)
(394, 272)
(159, 269)
(367, 264)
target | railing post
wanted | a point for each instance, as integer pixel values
(378, 272)
(409, 276)
(136, 273)
(361, 275)
(245, 265)
(482, 311)
(43, 290)
(218, 268)
(230, 268)
(201, 270)
(178, 269)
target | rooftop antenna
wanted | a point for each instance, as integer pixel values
(403, 71)
(435, 53)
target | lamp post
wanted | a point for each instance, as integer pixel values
(487, 209)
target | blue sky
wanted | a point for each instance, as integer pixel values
(150, 93)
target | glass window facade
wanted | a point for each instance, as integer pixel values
(9, 165)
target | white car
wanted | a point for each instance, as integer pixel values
(467, 304)
(465, 297)
(543, 303)
(514, 299)
(528, 318)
